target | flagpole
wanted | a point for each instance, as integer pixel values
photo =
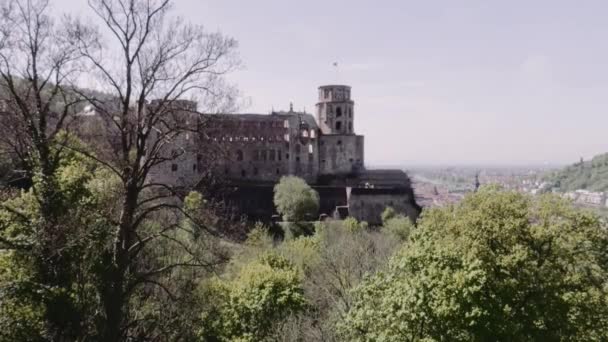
(337, 72)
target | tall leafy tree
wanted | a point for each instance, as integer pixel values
(498, 266)
(295, 200)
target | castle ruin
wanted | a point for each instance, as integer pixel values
(251, 152)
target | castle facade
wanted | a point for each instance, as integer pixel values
(252, 152)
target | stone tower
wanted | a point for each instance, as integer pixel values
(335, 110)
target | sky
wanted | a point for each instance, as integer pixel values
(434, 82)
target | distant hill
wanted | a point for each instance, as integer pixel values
(590, 175)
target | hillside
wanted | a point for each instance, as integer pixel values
(590, 175)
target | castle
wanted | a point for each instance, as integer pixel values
(251, 152)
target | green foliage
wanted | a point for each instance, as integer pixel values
(388, 214)
(294, 230)
(351, 224)
(399, 226)
(50, 252)
(295, 200)
(248, 308)
(498, 266)
(259, 236)
(591, 175)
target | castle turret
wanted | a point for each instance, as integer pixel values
(335, 110)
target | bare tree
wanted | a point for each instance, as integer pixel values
(37, 60)
(151, 63)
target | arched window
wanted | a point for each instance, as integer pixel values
(239, 155)
(338, 125)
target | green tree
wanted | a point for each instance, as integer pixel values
(498, 266)
(36, 305)
(250, 306)
(295, 200)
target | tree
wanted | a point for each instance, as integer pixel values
(36, 304)
(295, 200)
(152, 62)
(498, 266)
(37, 61)
(251, 306)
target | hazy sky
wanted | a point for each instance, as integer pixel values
(441, 82)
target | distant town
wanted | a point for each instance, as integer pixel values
(441, 186)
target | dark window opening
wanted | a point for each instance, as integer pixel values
(350, 126)
(286, 155)
(243, 173)
(338, 125)
(272, 155)
(264, 156)
(239, 155)
(351, 160)
(339, 142)
(193, 167)
(279, 155)
(338, 112)
(278, 171)
(173, 167)
(298, 159)
(255, 171)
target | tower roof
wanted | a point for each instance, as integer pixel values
(334, 86)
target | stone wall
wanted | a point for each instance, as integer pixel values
(341, 154)
(368, 204)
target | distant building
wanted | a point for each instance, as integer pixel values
(251, 152)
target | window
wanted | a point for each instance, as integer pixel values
(173, 167)
(338, 111)
(278, 172)
(264, 156)
(279, 155)
(272, 155)
(239, 155)
(339, 142)
(286, 155)
(338, 125)
(312, 133)
(193, 167)
(326, 93)
(310, 148)
(256, 155)
(298, 159)
(350, 127)
(298, 148)
(243, 173)
(255, 171)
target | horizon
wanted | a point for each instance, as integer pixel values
(433, 82)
